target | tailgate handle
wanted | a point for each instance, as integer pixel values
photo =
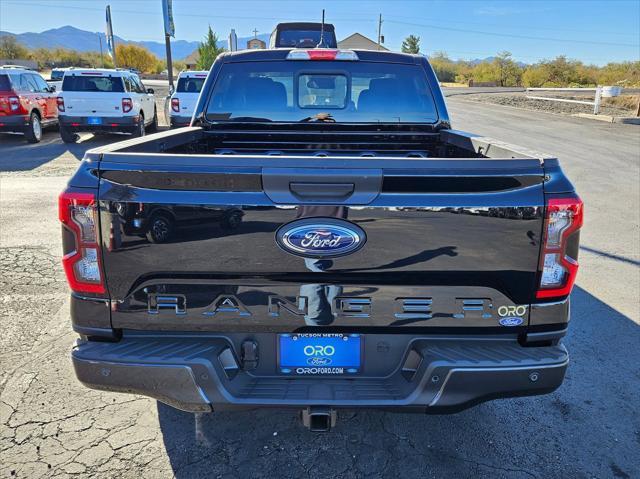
(344, 186)
(322, 190)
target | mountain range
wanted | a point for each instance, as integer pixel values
(75, 39)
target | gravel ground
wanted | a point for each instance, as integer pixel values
(520, 100)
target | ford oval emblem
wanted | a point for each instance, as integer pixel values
(320, 237)
(511, 321)
(318, 361)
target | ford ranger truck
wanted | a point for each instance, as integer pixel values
(383, 260)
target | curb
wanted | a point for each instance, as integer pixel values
(630, 120)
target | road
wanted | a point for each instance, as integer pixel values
(51, 426)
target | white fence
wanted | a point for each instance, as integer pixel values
(601, 91)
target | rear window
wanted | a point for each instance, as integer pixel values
(5, 83)
(190, 85)
(303, 38)
(323, 91)
(56, 75)
(103, 84)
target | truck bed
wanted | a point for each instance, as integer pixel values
(284, 141)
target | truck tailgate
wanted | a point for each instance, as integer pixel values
(449, 242)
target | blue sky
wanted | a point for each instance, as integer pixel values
(591, 31)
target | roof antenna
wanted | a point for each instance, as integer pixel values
(321, 43)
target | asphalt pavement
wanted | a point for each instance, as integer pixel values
(51, 426)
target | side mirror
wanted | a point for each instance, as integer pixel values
(150, 90)
(52, 89)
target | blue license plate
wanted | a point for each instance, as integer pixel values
(94, 120)
(319, 354)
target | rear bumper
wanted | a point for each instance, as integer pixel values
(180, 121)
(107, 124)
(201, 374)
(14, 123)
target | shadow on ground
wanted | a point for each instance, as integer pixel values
(16, 154)
(588, 428)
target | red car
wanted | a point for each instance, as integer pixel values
(27, 103)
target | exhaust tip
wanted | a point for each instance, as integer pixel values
(319, 418)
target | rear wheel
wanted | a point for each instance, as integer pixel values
(153, 127)
(139, 129)
(160, 229)
(68, 136)
(33, 132)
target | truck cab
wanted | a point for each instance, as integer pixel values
(303, 35)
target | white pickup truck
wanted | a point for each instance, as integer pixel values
(185, 97)
(105, 101)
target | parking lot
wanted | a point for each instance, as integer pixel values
(51, 426)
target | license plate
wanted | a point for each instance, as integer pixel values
(94, 120)
(319, 354)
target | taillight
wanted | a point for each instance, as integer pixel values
(14, 103)
(175, 104)
(559, 257)
(322, 54)
(60, 102)
(127, 105)
(78, 213)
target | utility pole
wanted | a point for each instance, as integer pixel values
(169, 31)
(379, 30)
(167, 45)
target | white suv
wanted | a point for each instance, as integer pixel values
(105, 101)
(184, 99)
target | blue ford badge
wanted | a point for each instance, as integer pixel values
(320, 237)
(511, 321)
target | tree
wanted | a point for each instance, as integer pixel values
(444, 67)
(508, 71)
(10, 49)
(411, 44)
(534, 76)
(134, 56)
(208, 51)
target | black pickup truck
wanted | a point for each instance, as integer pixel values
(379, 258)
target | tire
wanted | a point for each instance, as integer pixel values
(153, 127)
(232, 221)
(67, 136)
(160, 229)
(33, 132)
(139, 129)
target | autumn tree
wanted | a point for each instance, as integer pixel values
(10, 49)
(208, 50)
(134, 56)
(411, 44)
(445, 68)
